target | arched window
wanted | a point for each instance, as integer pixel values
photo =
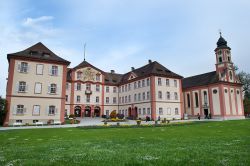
(220, 59)
(230, 75)
(196, 100)
(188, 100)
(205, 97)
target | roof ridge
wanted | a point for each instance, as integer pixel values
(199, 75)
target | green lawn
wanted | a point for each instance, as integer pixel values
(211, 143)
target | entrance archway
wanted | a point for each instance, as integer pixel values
(136, 112)
(97, 111)
(129, 112)
(87, 111)
(77, 111)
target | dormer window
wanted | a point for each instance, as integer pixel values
(46, 55)
(33, 52)
(79, 75)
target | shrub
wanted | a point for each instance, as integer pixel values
(72, 116)
(120, 116)
(113, 114)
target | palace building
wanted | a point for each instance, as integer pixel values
(41, 87)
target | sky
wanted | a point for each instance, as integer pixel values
(120, 34)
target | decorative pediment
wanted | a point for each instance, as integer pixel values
(132, 76)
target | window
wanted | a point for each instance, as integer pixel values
(175, 95)
(53, 88)
(148, 111)
(238, 92)
(126, 99)
(88, 98)
(139, 84)
(119, 99)
(79, 75)
(144, 111)
(97, 88)
(230, 75)
(38, 88)
(143, 96)
(122, 99)
(167, 82)
(66, 98)
(22, 87)
(78, 86)
(23, 68)
(52, 110)
(88, 86)
(107, 89)
(143, 83)
(139, 97)
(159, 95)
(176, 111)
(119, 89)
(220, 59)
(225, 90)
(107, 100)
(122, 88)
(148, 82)
(78, 99)
(36, 110)
(129, 98)
(228, 58)
(19, 121)
(114, 90)
(54, 70)
(39, 69)
(129, 87)
(159, 81)
(169, 111)
(126, 88)
(188, 100)
(67, 86)
(196, 99)
(148, 95)
(205, 97)
(114, 100)
(34, 121)
(97, 99)
(20, 110)
(214, 91)
(135, 97)
(97, 77)
(175, 83)
(139, 111)
(134, 85)
(168, 95)
(160, 111)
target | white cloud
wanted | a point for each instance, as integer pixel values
(35, 21)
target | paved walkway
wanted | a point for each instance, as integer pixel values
(97, 121)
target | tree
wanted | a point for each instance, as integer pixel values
(244, 78)
(3, 110)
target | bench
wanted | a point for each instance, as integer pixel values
(57, 123)
(39, 123)
(17, 124)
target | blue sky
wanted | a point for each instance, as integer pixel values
(179, 34)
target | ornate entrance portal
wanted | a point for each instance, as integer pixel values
(87, 111)
(77, 111)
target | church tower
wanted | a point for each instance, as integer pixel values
(224, 64)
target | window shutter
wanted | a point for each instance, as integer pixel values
(26, 88)
(28, 68)
(50, 70)
(49, 89)
(47, 111)
(14, 110)
(75, 86)
(58, 71)
(25, 110)
(19, 66)
(17, 86)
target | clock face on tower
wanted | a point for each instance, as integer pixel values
(88, 75)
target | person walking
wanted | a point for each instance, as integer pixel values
(199, 117)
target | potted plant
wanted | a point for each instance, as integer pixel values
(138, 122)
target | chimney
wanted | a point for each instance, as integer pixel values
(132, 68)
(112, 71)
(149, 61)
